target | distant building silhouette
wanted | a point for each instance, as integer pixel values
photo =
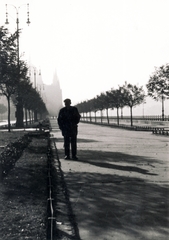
(51, 94)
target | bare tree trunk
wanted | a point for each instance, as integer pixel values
(32, 115)
(19, 114)
(35, 116)
(30, 120)
(95, 116)
(26, 117)
(162, 108)
(118, 116)
(107, 113)
(131, 116)
(101, 116)
(86, 117)
(90, 116)
(121, 113)
(9, 114)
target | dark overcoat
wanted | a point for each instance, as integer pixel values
(68, 120)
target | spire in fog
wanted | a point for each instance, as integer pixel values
(53, 95)
(55, 79)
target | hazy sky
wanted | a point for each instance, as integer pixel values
(93, 45)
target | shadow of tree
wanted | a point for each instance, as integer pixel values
(118, 157)
(107, 159)
(80, 140)
(110, 203)
(116, 204)
(125, 162)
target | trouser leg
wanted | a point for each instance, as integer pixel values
(74, 145)
(67, 145)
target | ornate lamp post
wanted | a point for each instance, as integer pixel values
(19, 107)
(17, 21)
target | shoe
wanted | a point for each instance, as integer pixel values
(67, 158)
(74, 158)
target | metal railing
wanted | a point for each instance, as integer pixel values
(113, 118)
(50, 208)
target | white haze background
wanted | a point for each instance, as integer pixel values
(94, 45)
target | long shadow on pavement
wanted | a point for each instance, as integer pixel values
(80, 140)
(110, 159)
(118, 206)
(113, 205)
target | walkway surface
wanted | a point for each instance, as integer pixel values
(119, 187)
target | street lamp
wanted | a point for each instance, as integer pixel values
(41, 86)
(17, 22)
(19, 107)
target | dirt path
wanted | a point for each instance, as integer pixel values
(119, 186)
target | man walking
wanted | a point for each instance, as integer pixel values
(68, 120)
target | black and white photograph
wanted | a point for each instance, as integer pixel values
(84, 120)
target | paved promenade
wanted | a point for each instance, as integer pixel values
(119, 187)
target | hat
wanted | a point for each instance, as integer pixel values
(67, 100)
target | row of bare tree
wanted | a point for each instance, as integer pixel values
(15, 84)
(129, 95)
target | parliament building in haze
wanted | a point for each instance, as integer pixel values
(51, 94)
